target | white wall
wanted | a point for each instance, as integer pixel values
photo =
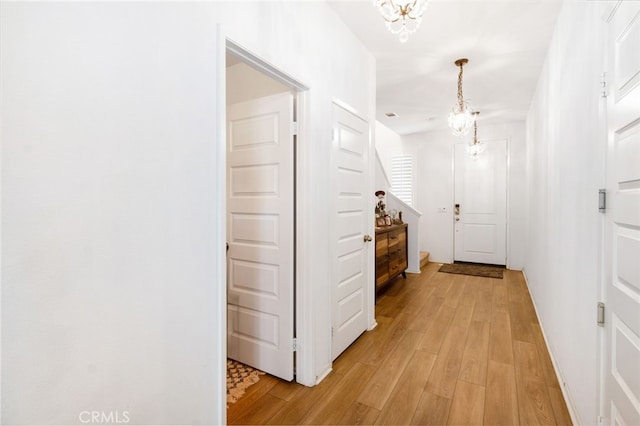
(564, 171)
(112, 297)
(433, 152)
(381, 179)
(388, 144)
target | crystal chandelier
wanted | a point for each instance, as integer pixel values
(475, 148)
(460, 119)
(403, 17)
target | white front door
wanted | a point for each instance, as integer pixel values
(260, 223)
(622, 253)
(349, 275)
(480, 204)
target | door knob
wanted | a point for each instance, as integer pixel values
(367, 238)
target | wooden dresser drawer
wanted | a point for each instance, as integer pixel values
(382, 277)
(391, 253)
(397, 234)
(382, 244)
(397, 251)
(397, 265)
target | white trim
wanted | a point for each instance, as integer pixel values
(304, 248)
(604, 259)
(353, 111)
(507, 233)
(565, 391)
(220, 230)
(263, 66)
(323, 376)
(304, 306)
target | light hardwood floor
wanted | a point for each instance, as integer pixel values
(448, 349)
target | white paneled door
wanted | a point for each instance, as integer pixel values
(622, 253)
(260, 224)
(480, 204)
(349, 276)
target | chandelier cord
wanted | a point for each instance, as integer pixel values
(460, 98)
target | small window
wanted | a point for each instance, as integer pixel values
(402, 177)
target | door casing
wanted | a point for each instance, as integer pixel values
(305, 373)
(621, 241)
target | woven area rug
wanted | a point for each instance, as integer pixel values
(477, 270)
(239, 378)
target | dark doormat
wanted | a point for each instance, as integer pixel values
(475, 269)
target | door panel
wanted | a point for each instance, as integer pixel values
(349, 264)
(260, 234)
(622, 290)
(481, 193)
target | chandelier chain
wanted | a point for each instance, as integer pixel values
(460, 120)
(460, 98)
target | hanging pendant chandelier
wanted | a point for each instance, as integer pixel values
(460, 118)
(475, 148)
(403, 17)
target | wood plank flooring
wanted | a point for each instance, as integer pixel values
(448, 349)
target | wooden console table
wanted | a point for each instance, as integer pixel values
(391, 253)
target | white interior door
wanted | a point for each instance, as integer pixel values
(260, 208)
(622, 291)
(349, 274)
(480, 204)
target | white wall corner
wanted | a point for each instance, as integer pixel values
(575, 419)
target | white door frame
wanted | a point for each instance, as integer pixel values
(612, 122)
(303, 292)
(507, 205)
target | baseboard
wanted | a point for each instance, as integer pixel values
(413, 271)
(565, 392)
(372, 326)
(323, 375)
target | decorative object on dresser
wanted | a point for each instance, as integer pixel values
(391, 253)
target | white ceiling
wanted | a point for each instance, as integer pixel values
(505, 41)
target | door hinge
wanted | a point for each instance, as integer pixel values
(602, 200)
(603, 85)
(294, 128)
(295, 345)
(332, 332)
(601, 314)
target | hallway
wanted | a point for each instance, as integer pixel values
(448, 349)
